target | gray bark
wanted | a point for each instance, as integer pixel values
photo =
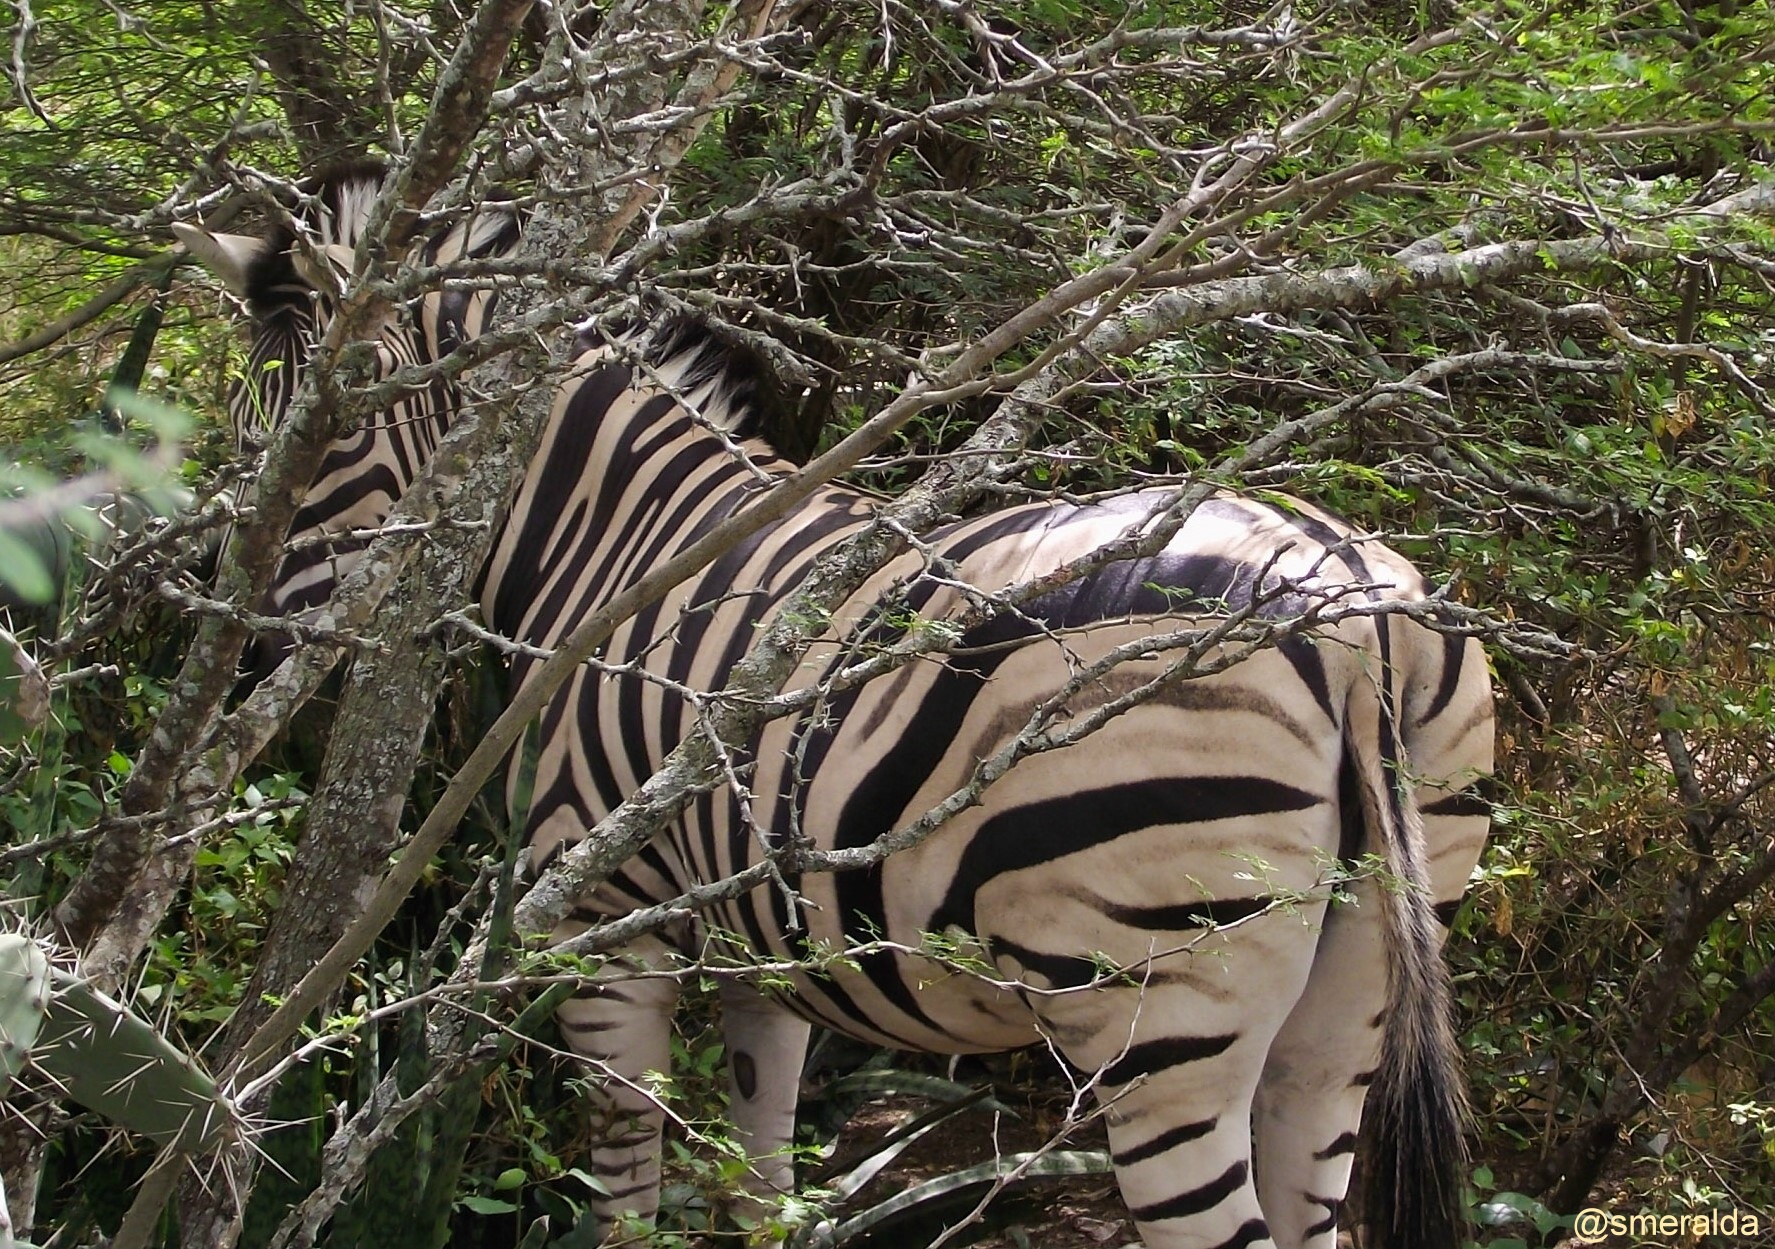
(393, 689)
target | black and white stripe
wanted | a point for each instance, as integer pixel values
(288, 285)
(1163, 843)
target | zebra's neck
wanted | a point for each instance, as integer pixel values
(625, 476)
(261, 395)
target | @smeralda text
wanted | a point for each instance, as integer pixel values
(1595, 1224)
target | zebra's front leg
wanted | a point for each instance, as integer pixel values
(766, 1047)
(623, 1027)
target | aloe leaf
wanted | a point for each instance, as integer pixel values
(873, 1083)
(948, 1188)
(850, 1174)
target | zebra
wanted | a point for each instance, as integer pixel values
(1184, 845)
(285, 289)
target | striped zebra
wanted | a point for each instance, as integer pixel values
(287, 291)
(61, 527)
(1184, 846)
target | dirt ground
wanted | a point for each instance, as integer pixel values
(1062, 1212)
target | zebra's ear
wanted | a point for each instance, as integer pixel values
(228, 256)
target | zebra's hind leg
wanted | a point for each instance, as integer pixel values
(1309, 1100)
(1180, 1054)
(1180, 1137)
(766, 1046)
(624, 1027)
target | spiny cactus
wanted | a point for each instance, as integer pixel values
(24, 996)
(111, 1061)
(103, 1056)
(24, 691)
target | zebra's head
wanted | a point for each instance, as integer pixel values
(288, 280)
(291, 280)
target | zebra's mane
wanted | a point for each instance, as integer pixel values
(724, 379)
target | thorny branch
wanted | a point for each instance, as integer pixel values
(607, 117)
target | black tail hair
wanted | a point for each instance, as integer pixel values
(1414, 1157)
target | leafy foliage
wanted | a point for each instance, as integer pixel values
(1581, 447)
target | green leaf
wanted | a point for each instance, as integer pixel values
(487, 1205)
(590, 1181)
(22, 569)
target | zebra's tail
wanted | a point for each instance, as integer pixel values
(1414, 1159)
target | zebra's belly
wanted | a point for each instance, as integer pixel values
(964, 1007)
